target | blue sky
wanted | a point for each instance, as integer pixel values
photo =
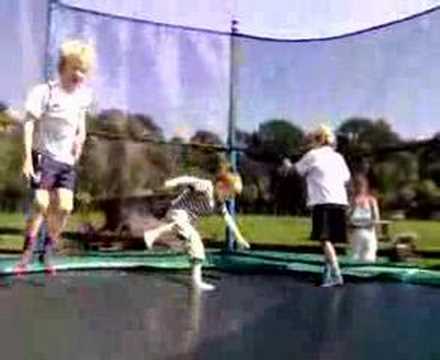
(181, 77)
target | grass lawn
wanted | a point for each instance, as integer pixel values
(16, 222)
(280, 230)
(428, 232)
(258, 229)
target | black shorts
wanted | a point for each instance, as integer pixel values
(51, 174)
(329, 223)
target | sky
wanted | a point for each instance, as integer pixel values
(181, 77)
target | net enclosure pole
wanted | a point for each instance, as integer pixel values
(51, 6)
(232, 115)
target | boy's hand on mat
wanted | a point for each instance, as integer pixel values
(242, 243)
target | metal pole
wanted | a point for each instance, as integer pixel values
(232, 153)
(51, 4)
(48, 61)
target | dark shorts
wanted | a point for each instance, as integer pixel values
(52, 174)
(329, 223)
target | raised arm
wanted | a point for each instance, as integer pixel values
(305, 164)
(182, 180)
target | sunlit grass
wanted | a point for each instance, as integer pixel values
(257, 229)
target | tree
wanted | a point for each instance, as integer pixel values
(276, 139)
(206, 137)
(113, 170)
(141, 126)
(203, 162)
(367, 134)
(395, 175)
(363, 135)
(268, 190)
(429, 162)
(13, 187)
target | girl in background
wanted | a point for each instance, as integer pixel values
(363, 217)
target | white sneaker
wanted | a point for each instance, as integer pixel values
(203, 286)
(334, 280)
(150, 236)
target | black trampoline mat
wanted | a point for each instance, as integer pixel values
(135, 315)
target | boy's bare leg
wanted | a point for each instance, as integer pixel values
(58, 213)
(196, 250)
(197, 278)
(52, 231)
(33, 225)
(332, 272)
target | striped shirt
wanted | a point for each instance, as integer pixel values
(197, 200)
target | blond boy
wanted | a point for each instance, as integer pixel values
(54, 133)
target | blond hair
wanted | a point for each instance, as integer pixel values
(78, 52)
(324, 135)
(230, 178)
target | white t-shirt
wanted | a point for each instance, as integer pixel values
(58, 115)
(326, 174)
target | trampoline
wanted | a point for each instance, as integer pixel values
(224, 89)
(263, 308)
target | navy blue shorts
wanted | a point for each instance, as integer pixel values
(51, 174)
(329, 223)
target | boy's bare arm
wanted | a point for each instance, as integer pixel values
(28, 131)
(233, 226)
(181, 180)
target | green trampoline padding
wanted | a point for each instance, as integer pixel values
(240, 261)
